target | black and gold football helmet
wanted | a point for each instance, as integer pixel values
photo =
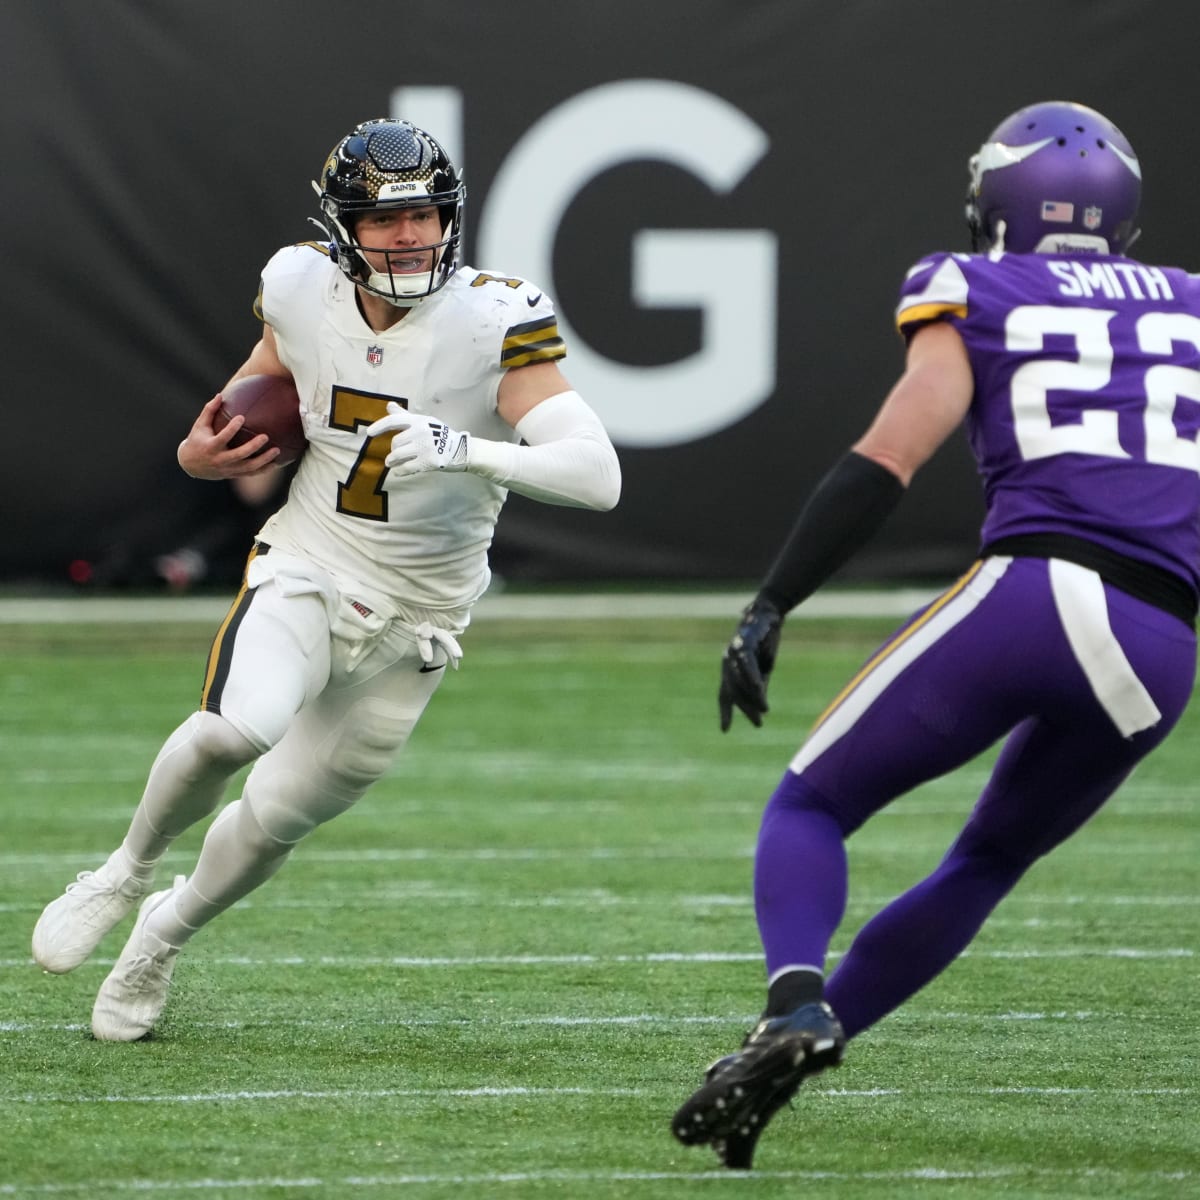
(387, 164)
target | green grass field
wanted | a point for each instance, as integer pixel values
(502, 972)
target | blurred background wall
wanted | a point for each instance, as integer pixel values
(722, 197)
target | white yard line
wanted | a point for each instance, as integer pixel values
(504, 854)
(545, 1093)
(470, 961)
(656, 1020)
(911, 848)
(86, 610)
(1105, 1178)
(421, 892)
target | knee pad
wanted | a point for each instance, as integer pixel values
(364, 744)
(796, 793)
(1005, 853)
(217, 742)
(293, 789)
(284, 804)
(251, 832)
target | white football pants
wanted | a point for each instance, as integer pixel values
(325, 713)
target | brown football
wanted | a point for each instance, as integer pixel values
(271, 405)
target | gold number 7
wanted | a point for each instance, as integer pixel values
(361, 494)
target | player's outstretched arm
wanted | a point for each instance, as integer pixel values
(567, 457)
(843, 512)
(847, 507)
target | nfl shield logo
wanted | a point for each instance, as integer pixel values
(374, 355)
(1092, 217)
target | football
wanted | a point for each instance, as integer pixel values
(271, 405)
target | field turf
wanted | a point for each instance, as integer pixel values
(500, 974)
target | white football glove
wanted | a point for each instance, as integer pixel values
(420, 443)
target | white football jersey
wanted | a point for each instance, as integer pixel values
(424, 542)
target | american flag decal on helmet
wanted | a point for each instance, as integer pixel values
(1058, 210)
(533, 342)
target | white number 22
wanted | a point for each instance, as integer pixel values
(1096, 432)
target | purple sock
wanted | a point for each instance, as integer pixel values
(799, 878)
(917, 936)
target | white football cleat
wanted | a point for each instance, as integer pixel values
(72, 926)
(132, 998)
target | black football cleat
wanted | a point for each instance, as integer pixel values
(743, 1091)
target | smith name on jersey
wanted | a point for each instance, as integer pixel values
(426, 540)
(1066, 441)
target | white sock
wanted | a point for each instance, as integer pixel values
(121, 865)
(237, 856)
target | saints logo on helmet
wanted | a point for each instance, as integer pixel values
(381, 165)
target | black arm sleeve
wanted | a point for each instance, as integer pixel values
(846, 509)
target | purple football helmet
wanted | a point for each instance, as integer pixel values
(1057, 178)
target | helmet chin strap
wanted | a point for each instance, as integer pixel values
(997, 250)
(403, 290)
(383, 285)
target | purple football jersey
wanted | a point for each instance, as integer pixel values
(1087, 395)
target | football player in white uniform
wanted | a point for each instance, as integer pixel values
(428, 390)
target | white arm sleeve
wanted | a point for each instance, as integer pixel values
(568, 459)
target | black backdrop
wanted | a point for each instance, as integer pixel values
(768, 168)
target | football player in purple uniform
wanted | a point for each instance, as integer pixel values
(1076, 371)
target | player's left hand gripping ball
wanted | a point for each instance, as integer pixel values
(269, 404)
(420, 443)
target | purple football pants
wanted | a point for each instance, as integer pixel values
(1007, 653)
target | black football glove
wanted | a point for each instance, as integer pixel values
(748, 661)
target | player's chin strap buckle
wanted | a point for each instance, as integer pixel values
(427, 634)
